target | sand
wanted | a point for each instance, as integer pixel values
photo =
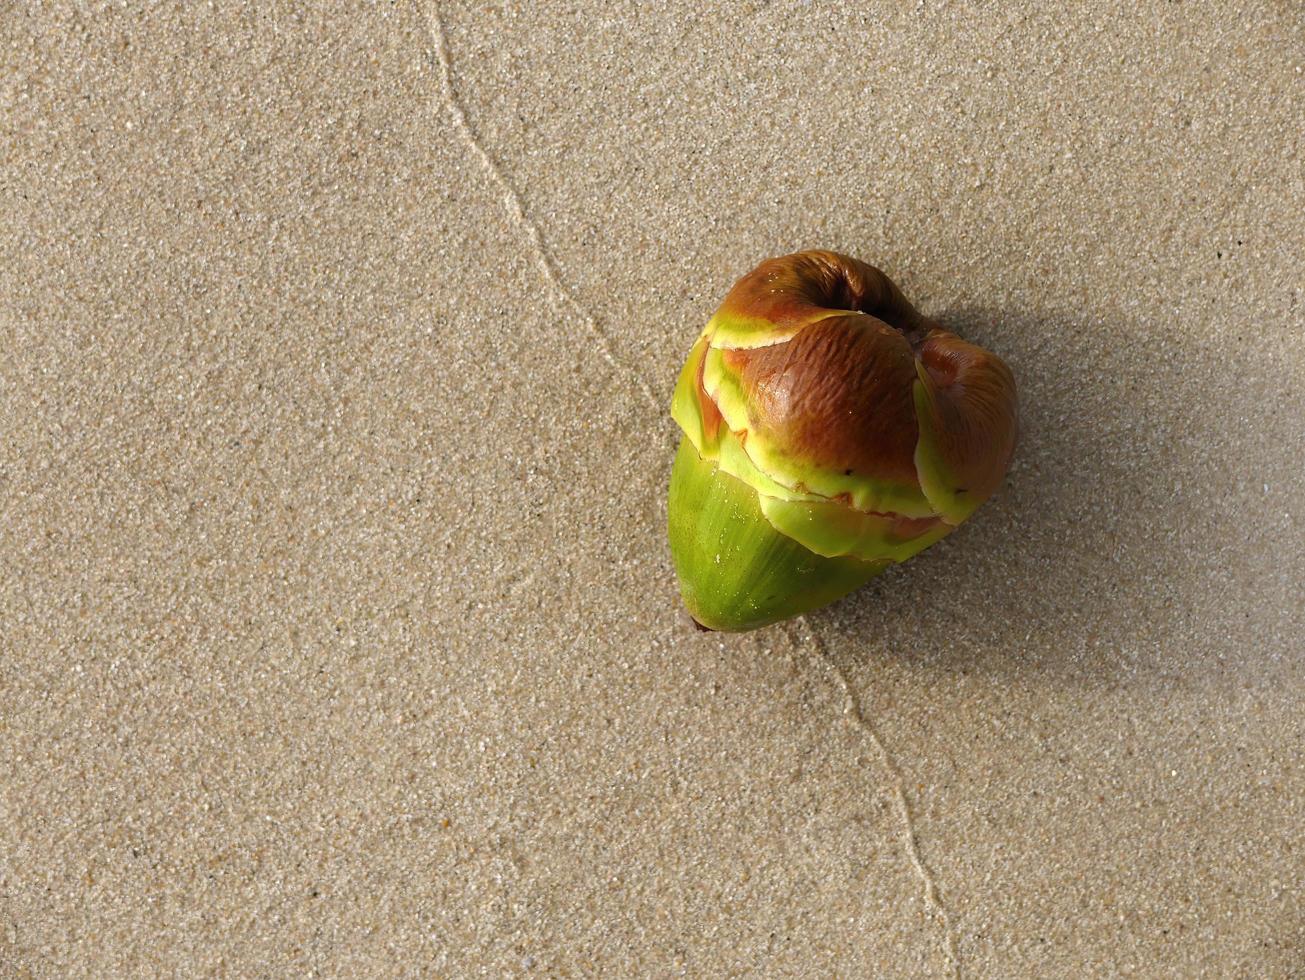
(338, 635)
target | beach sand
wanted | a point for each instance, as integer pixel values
(338, 633)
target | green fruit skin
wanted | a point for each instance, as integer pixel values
(736, 571)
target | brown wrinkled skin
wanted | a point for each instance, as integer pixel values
(974, 410)
(792, 289)
(840, 393)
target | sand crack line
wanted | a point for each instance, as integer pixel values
(547, 266)
(852, 712)
(512, 199)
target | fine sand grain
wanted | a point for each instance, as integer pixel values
(338, 634)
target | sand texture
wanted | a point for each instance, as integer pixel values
(338, 635)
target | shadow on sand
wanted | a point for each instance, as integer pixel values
(1101, 544)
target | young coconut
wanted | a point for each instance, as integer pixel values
(830, 430)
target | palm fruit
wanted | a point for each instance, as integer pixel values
(830, 430)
